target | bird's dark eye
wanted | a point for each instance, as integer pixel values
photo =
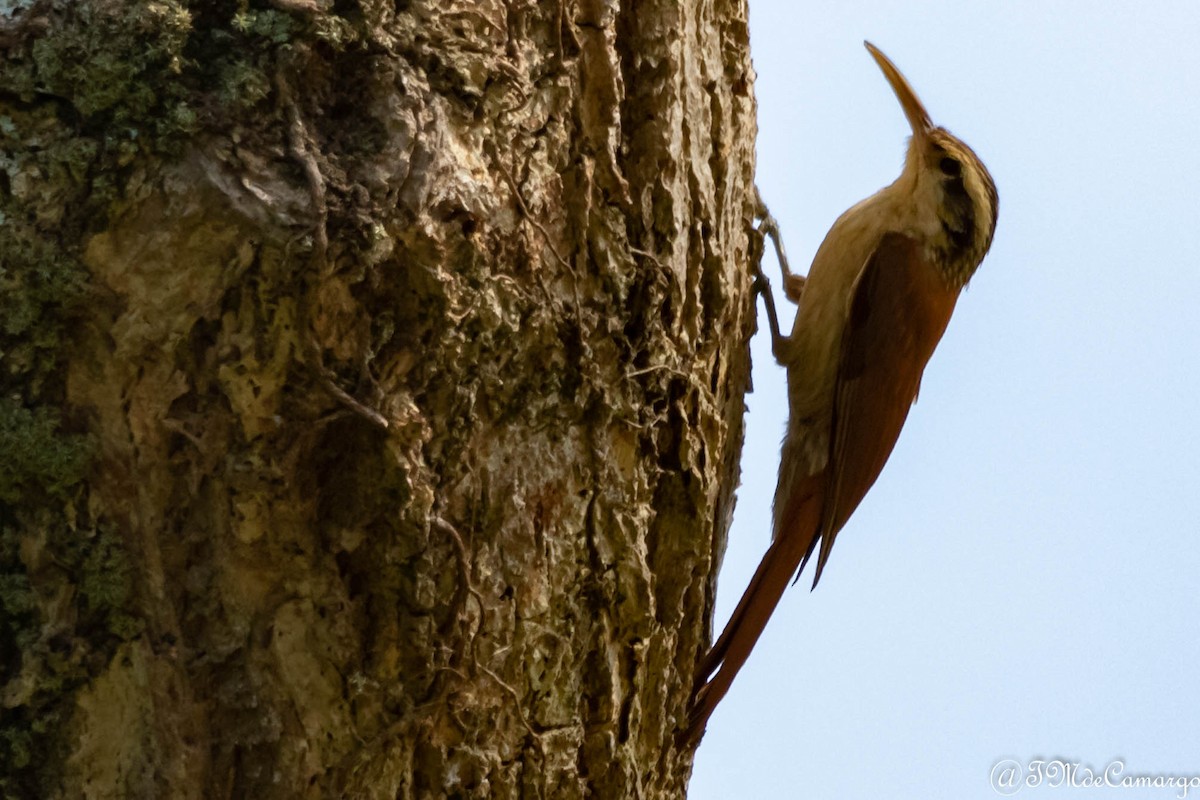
(950, 166)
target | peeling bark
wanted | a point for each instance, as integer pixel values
(410, 365)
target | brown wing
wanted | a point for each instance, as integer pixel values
(898, 312)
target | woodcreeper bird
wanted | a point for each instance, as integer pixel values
(871, 311)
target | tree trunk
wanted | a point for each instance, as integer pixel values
(372, 392)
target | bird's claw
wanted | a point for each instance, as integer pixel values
(761, 285)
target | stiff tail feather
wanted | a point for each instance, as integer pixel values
(795, 540)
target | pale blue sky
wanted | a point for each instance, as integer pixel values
(1024, 579)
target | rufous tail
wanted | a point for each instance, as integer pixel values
(794, 542)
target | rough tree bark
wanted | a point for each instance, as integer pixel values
(372, 391)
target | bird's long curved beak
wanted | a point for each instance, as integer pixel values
(918, 117)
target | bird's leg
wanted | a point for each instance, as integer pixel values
(779, 342)
(793, 285)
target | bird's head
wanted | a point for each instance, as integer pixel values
(945, 170)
